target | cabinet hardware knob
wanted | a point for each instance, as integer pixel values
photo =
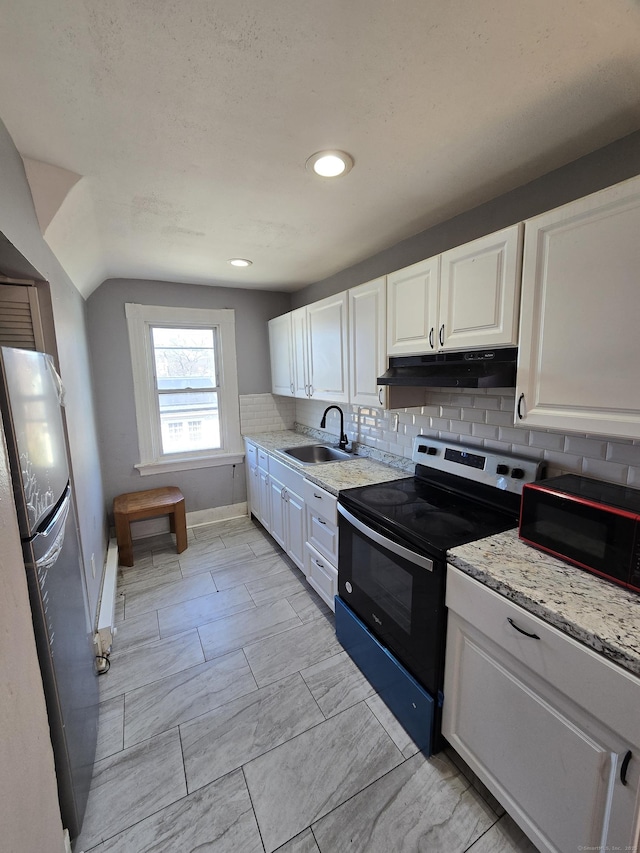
(519, 410)
(526, 633)
(431, 337)
(623, 768)
(441, 335)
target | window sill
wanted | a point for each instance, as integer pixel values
(188, 463)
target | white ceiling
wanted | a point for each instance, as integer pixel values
(190, 121)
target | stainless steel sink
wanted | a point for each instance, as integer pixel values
(315, 454)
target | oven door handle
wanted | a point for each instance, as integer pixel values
(389, 544)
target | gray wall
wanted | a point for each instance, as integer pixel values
(19, 224)
(608, 165)
(111, 359)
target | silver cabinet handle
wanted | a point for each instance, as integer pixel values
(311, 390)
(292, 389)
(380, 396)
(400, 550)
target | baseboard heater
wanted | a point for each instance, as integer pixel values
(410, 703)
(107, 609)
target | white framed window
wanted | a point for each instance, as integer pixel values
(185, 386)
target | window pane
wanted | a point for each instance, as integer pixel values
(189, 422)
(184, 358)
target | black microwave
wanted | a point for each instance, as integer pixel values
(586, 522)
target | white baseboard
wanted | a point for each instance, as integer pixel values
(154, 526)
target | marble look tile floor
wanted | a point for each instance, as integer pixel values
(231, 721)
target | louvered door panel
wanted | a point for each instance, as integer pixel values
(19, 317)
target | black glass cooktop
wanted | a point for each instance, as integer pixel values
(425, 514)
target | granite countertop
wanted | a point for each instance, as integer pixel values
(361, 470)
(593, 611)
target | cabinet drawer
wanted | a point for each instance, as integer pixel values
(321, 575)
(321, 502)
(252, 454)
(576, 671)
(263, 459)
(322, 534)
(287, 476)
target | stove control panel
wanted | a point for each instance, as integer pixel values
(502, 470)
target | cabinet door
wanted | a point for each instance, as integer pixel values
(277, 516)
(299, 352)
(253, 490)
(480, 292)
(295, 528)
(263, 513)
(412, 308)
(579, 341)
(328, 349)
(281, 352)
(367, 342)
(551, 774)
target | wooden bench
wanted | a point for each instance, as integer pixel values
(135, 506)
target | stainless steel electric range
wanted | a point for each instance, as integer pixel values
(393, 541)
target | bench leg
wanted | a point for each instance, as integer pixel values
(179, 526)
(123, 537)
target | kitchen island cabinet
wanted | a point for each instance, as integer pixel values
(548, 723)
(579, 342)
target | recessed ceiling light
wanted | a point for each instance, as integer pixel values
(330, 164)
(240, 262)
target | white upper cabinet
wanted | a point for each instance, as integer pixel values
(465, 298)
(299, 350)
(328, 349)
(480, 292)
(367, 342)
(281, 352)
(579, 340)
(412, 308)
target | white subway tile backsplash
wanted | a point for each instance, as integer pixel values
(484, 431)
(511, 435)
(590, 447)
(565, 462)
(481, 417)
(606, 470)
(625, 454)
(546, 440)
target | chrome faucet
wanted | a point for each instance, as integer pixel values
(342, 444)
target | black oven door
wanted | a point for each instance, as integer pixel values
(396, 592)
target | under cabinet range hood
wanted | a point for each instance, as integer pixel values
(489, 368)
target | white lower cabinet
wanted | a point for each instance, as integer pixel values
(287, 510)
(300, 515)
(321, 575)
(545, 722)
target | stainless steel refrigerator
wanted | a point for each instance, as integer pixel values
(30, 401)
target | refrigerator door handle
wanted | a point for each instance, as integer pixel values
(49, 558)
